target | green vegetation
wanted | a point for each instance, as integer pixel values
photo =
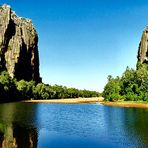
(23, 19)
(13, 90)
(131, 86)
(1, 8)
(7, 87)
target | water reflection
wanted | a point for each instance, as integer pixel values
(17, 137)
(126, 126)
(135, 123)
(56, 125)
(12, 133)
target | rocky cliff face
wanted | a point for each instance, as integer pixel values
(18, 46)
(143, 48)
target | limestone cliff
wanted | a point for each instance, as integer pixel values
(18, 46)
(143, 48)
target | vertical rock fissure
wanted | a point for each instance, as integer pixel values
(18, 46)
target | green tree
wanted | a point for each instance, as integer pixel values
(25, 89)
(112, 89)
(8, 89)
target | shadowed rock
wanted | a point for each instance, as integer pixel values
(143, 48)
(18, 46)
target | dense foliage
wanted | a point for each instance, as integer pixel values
(131, 86)
(10, 89)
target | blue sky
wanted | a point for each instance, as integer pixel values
(81, 42)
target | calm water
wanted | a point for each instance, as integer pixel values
(72, 126)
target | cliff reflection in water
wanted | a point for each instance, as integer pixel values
(12, 135)
(15, 137)
(24, 125)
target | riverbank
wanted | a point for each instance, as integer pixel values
(92, 100)
(68, 101)
(127, 104)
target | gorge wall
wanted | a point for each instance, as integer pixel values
(143, 48)
(18, 46)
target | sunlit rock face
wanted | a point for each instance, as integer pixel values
(18, 46)
(143, 48)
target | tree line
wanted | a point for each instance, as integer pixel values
(13, 90)
(131, 86)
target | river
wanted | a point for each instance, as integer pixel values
(40, 125)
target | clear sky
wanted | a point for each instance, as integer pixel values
(81, 42)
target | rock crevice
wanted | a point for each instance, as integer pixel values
(18, 46)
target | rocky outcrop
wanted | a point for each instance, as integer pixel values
(18, 46)
(143, 48)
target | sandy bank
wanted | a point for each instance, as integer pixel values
(126, 104)
(92, 100)
(68, 101)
